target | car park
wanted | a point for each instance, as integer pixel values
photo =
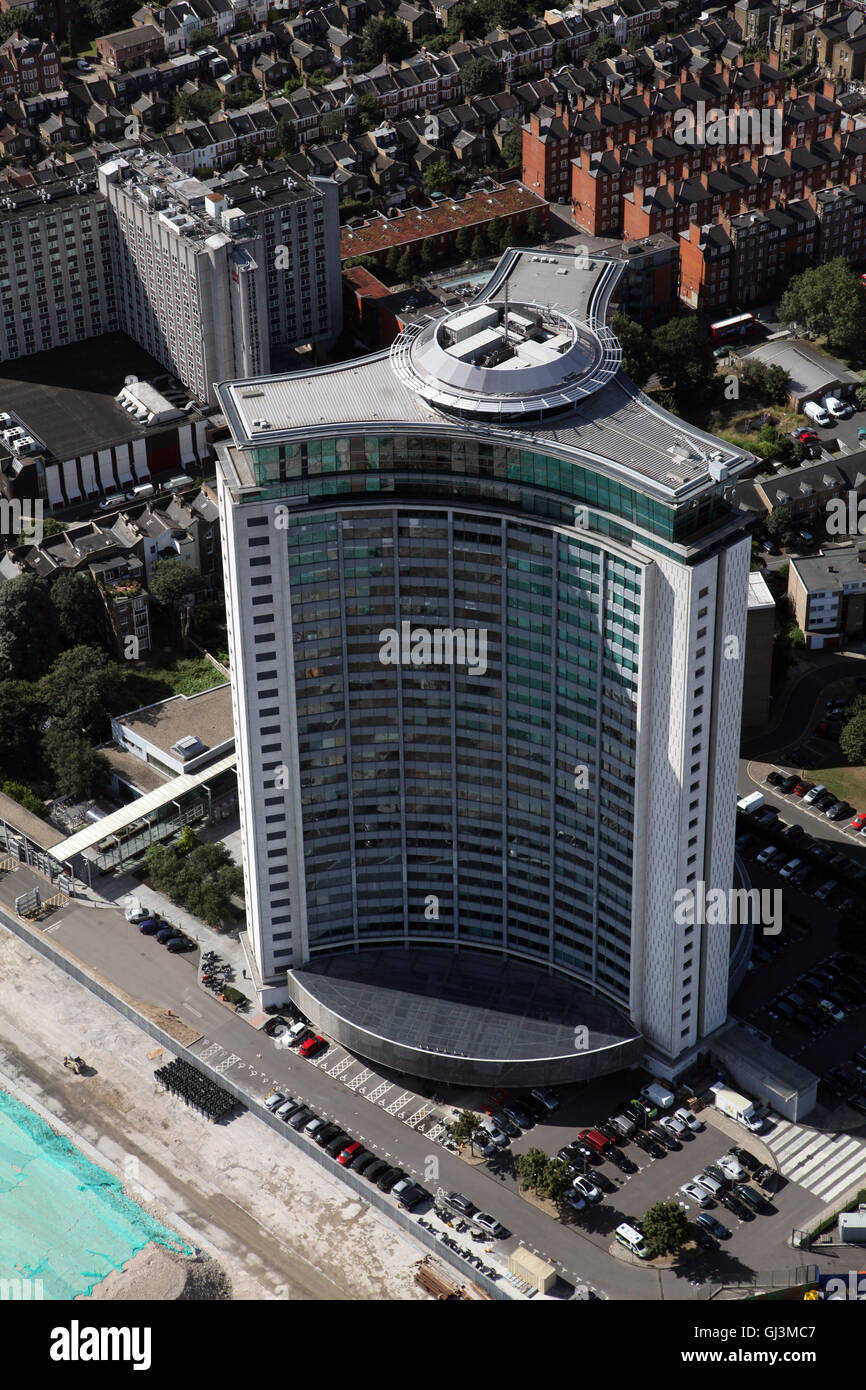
(497, 1136)
(643, 1141)
(177, 944)
(315, 1126)
(732, 1169)
(150, 926)
(696, 1193)
(715, 1171)
(646, 1106)
(826, 890)
(595, 1139)
(743, 842)
(802, 876)
(824, 801)
(408, 1194)
(136, 913)
(289, 1108)
(781, 1009)
(296, 1033)
(609, 1133)
(577, 1146)
(576, 1200)
(793, 832)
(744, 1157)
(751, 1196)
(571, 1159)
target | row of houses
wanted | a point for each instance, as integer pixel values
(119, 553)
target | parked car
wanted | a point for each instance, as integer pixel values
(350, 1151)
(515, 1112)
(767, 853)
(273, 1100)
(839, 811)
(549, 1099)
(769, 547)
(748, 1160)
(774, 778)
(802, 788)
(734, 1205)
(688, 1119)
(675, 1125)
(731, 1167)
(508, 1126)
(666, 1137)
(621, 1160)
(587, 1188)
(787, 785)
(363, 1162)
(408, 1194)
(696, 1194)
(375, 1170)
(709, 1222)
(787, 870)
(457, 1202)
(301, 1117)
(389, 1178)
(313, 1046)
(327, 1132)
(491, 1227)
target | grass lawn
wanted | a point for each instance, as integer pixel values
(848, 783)
(183, 676)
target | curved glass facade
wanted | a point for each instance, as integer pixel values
(483, 801)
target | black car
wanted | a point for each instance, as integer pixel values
(603, 1181)
(326, 1134)
(793, 832)
(565, 1155)
(458, 1202)
(665, 1137)
(584, 1151)
(642, 1140)
(734, 1205)
(536, 1109)
(748, 1160)
(842, 808)
(301, 1117)
(621, 1160)
(824, 801)
(636, 1114)
(787, 785)
(766, 1177)
(412, 1197)
(386, 1180)
(362, 1161)
(507, 1126)
(775, 779)
(704, 1239)
(337, 1144)
(518, 1116)
(609, 1132)
(713, 1171)
(375, 1170)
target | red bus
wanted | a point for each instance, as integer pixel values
(726, 329)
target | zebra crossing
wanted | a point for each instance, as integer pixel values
(825, 1164)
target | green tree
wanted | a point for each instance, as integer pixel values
(21, 716)
(531, 1168)
(79, 770)
(80, 690)
(203, 881)
(466, 1129)
(28, 628)
(478, 248)
(828, 301)
(367, 112)
(604, 47)
(187, 841)
(638, 358)
(852, 739)
(860, 396)
(635, 42)
(463, 242)
(779, 526)
(437, 177)
(428, 254)
(287, 136)
(172, 580)
(480, 76)
(25, 797)
(79, 609)
(512, 145)
(684, 358)
(466, 19)
(561, 55)
(383, 36)
(777, 383)
(24, 20)
(406, 266)
(392, 260)
(556, 1185)
(666, 1228)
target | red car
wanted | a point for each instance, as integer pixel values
(351, 1151)
(806, 436)
(802, 788)
(312, 1046)
(859, 821)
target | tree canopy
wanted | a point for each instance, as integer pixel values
(828, 301)
(79, 769)
(666, 1228)
(81, 690)
(79, 609)
(202, 880)
(637, 353)
(171, 580)
(384, 36)
(29, 637)
(480, 76)
(683, 357)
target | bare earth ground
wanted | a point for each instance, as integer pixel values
(274, 1225)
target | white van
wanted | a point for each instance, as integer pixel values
(143, 490)
(181, 480)
(840, 410)
(659, 1095)
(632, 1240)
(815, 412)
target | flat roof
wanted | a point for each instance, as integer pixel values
(468, 1004)
(67, 394)
(417, 224)
(759, 593)
(782, 1072)
(207, 715)
(839, 566)
(615, 430)
(31, 826)
(171, 790)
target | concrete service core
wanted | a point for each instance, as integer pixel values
(466, 1018)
